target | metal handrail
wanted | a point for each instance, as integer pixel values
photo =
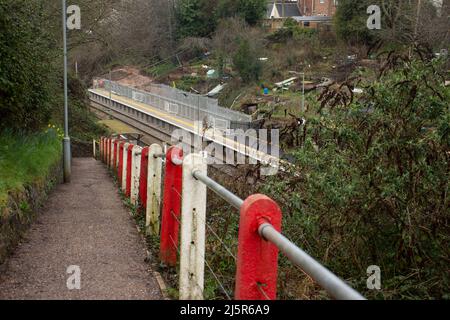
(227, 195)
(335, 286)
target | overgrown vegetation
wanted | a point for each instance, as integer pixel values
(372, 184)
(27, 78)
(25, 158)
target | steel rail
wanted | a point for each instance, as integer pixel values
(223, 192)
(336, 287)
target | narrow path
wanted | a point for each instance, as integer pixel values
(85, 224)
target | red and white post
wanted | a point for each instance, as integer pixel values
(257, 259)
(171, 210)
(153, 189)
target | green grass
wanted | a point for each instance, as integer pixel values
(25, 159)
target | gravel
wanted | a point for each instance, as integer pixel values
(85, 224)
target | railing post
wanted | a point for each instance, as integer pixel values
(135, 174)
(120, 165)
(171, 208)
(114, 163)
(193, 216)
(153, 190)
(105, 149)
(101, 148)
(108, 145)
(111, 156)
(143, 179)
(129, 170)
(124, 167)
(257, 259)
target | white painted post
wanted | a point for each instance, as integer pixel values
(153, 190)
(193, 215)
(107, 151)
(124, 169)
(93, 150)
(118, 155)
(111, 159)
(135, 174)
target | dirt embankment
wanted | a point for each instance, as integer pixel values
(129, 76)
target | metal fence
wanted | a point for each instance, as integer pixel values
(173, 198)
(186, 105)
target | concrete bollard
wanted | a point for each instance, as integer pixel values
(257, 259)
(101, 148)
(120, 164)
(111, 155)
(171, 208)
(193, 216)
(117, 156)
(153, 190)
(107, 145)
(135, 174)
(124, 167)
(143, 179)
(114, 162)
(129, 170)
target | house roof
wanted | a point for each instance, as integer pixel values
(275, 10)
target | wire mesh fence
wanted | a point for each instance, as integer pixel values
(183, 104)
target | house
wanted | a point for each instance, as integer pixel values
(286, 9)
(324, 8)
(277, 12)
(308, 13)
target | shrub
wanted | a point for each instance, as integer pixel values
(373, 183)
(26, 69)
(246, 62)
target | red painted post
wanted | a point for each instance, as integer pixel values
(101, 148)
(171, 209)
(143, 178)
(104, 150)
(129, 161)
(257, 259)
(116, 143)
(120, 168)
(108, 156)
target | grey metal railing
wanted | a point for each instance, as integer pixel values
(186, 105)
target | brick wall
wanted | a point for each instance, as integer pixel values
(317, 7)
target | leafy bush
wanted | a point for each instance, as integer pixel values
(25, 157)
(26, 70)
(246, 62)
(350, 22)
(372, 185)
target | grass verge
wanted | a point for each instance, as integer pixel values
(26, 158)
